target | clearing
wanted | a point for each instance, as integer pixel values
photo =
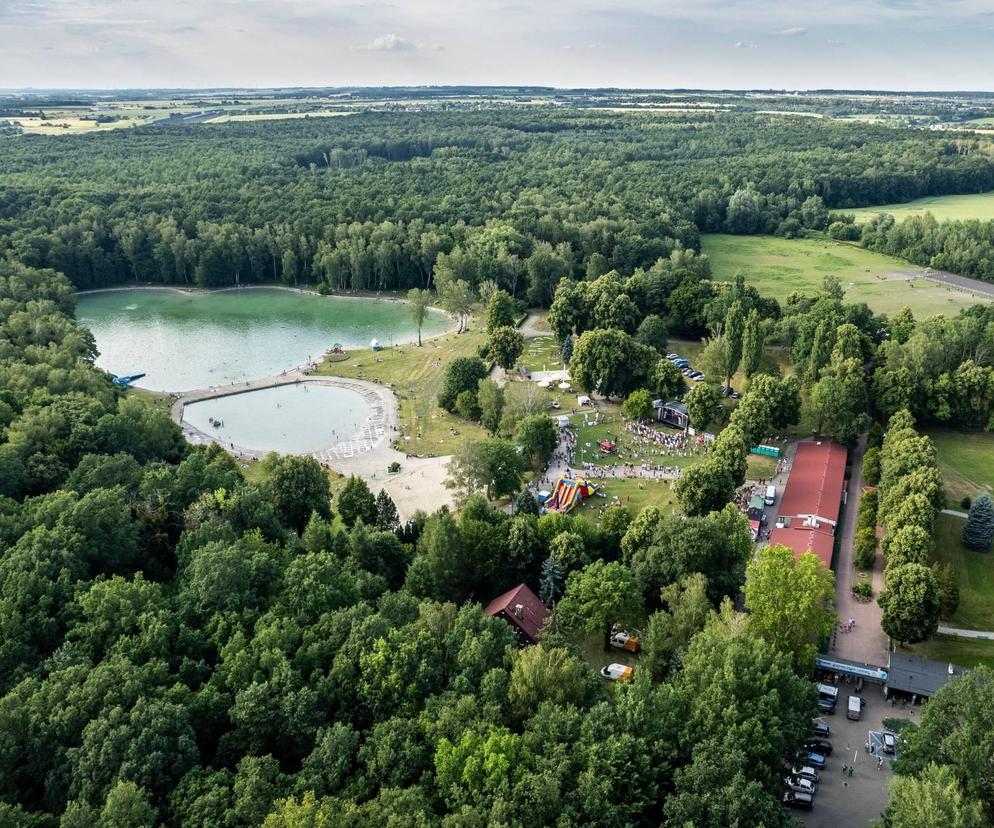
(778, 267)
(944, 208)
(975, 575)
(966, 461)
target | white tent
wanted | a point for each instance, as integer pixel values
(583, 399)
(563, 421)
(375, 345)
(564, 386)
(544, 383)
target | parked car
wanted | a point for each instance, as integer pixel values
(681, 363)
(617, 672)
(798, 800)
(805, 757)
(687, 371)
(806, 772)
(822, 746)
(735, 395)
(826, 706)
(698, 378)
(622, 640)
(797, 785)
(671, 357)
(890, 743)
(820, 728)
(696, 375)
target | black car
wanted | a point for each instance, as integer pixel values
(820, 729)
(822, 746)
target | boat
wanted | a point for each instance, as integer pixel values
(124, 382)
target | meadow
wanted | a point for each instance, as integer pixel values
(974, 571)
(944, 208)
(966, 461)
(778, 267)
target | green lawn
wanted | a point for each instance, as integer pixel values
(944, 208)
(967, 652)
(778, 267)
(542, 353)
(966, 460)
(634, 495)
(975, 574)
(613, 429)
(415, 375)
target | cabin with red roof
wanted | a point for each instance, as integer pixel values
(521, 608)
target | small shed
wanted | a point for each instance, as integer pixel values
(521, 608)
(583, 399)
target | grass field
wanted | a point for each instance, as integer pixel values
(944, 208)
(975, 574)
(542, 353)
(967, 652)
(634, 495)
(778, 267)
(966, 460)
(415, 375)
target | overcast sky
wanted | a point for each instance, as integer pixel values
(893, 44)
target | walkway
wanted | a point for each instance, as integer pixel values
(867, 642)
(961, 282)
(954, 513)
(960, 633)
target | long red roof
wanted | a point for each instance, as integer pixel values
(816, 481)
(805, 540)
(533, 611)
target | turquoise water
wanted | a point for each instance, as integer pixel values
(183, 341)
(289, 419)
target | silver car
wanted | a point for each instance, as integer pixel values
(806, 772)
(798, 785)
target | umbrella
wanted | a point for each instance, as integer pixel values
(544, 383)
(564, 386)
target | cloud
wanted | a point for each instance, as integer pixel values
(743, 44)
(836, 42)
(388, 43)
(793, 31)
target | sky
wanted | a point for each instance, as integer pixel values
(866, 44)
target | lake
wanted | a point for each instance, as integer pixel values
(289, 419)
(186, 340)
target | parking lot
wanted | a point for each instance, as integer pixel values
(856, 800)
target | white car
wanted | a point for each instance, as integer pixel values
(806, 772)
(798, 785)
(890, 743)
(617, 672)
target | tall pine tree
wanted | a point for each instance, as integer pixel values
(550, 588)
(979, 529)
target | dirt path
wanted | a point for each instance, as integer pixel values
(867, 642)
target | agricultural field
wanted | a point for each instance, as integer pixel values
(975, 575)
(944, 208)
(778, 267)
(966, 461)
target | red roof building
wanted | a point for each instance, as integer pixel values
(816, 484)
(805, 540)
(812, 500)
(521, 608)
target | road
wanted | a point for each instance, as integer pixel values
(867, 642)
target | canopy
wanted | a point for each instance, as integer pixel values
(544, 383)
(583, 400)
(564, 386)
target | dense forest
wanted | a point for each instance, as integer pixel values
(371, 200)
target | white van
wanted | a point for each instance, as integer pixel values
(771, 495)
(855, 708)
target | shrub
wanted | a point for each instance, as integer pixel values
(394, 467)
(467, 406)
(871, 466)
(865, 547)
(966, 502)
(862, 589)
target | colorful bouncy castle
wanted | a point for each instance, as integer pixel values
(568, 493)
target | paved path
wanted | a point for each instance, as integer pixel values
(961, 282)
(960, 633)
(954, 513)
(867, 642)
